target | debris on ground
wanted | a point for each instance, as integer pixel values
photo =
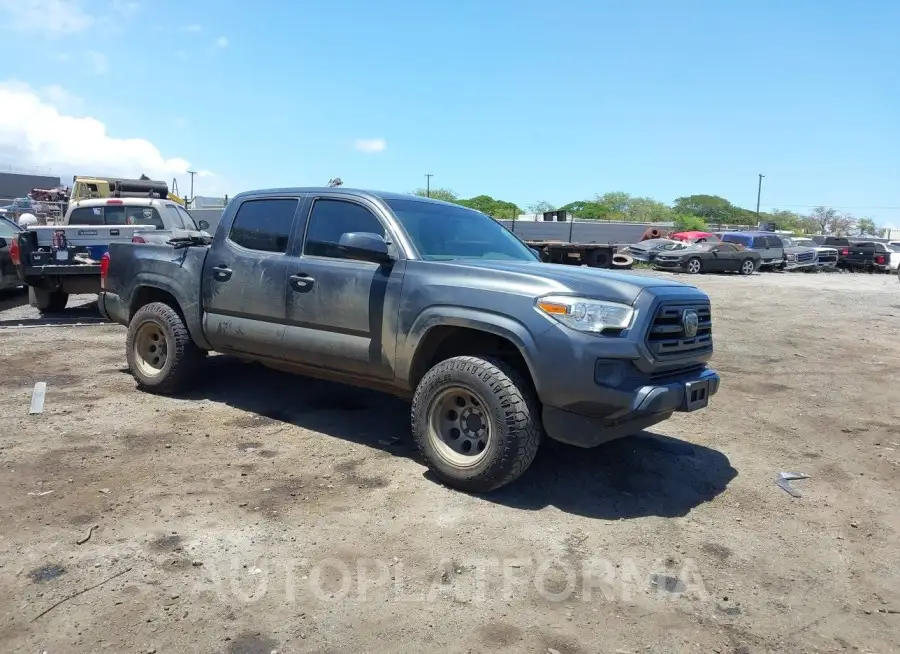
(90, 533)
(37, 398)
(784, 478)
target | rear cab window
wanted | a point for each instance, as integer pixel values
(86, 216)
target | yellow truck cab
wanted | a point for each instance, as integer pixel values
(84, 188)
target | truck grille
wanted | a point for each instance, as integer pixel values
(667, 336)
(828, 257)
(806, 257)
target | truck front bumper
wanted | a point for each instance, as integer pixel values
(624, 412)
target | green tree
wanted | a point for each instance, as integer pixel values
(490, 206)
(824, 218)
(688, 223)
(444, 194)
(867, 226)
(712, 208)
(586, 210)
(541, 206)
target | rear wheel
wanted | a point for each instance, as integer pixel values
(48, 301)
(748, 266)
(693, 266)
(476, 422)
(160, 353)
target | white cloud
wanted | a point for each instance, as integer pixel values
(370, 146)
(98, 62)
(60, 98)
(34, 133)
(193, 28)
(47, 17)
(221, 42)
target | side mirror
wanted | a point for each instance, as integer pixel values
(364, 246)
(203, 225)
(3, 242)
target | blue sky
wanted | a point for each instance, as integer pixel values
(518, 99)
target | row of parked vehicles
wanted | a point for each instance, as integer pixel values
(747, 252)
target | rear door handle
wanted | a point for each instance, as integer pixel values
(222, 273)
(301, 283)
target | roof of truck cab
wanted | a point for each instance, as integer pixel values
(134, 202)
(340, 190)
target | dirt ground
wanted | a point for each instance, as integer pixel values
(266, 512)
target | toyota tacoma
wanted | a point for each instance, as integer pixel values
(426, 300)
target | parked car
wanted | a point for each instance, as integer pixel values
(865, 256)
(646, 251)
(894, 261)
(826, 257)
(423, 299)
(797, 256)
(694, 237)
(839, 243)
(767, 244)
(9, 232)
(709, 257)
(869, 256)
(57, 261)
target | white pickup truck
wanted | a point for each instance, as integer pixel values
(59, 260)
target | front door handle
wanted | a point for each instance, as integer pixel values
(301, 283)
(222, 273)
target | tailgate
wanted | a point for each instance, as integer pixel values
(861, 255)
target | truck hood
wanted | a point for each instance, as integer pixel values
(542, 278)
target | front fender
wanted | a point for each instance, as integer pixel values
(453, 316)
(188, 300)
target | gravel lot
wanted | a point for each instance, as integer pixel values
(267, 512)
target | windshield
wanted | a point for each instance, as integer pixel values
(805, 242)
(703, 246)
(445, 232)
(676, 245)
(786, 242)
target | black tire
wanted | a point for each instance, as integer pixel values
(745, 269)
(182, 358)
(598, 259)
(689, 265)
(49, 301)
(514, 416)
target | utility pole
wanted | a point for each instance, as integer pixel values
(758, 195)
(192, 173)
(428, 177)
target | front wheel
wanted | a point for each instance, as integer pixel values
(693, 266)
(476, 422)
(160, 353)
(747, 267)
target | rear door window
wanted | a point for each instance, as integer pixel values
(774, 242)
(264, 225)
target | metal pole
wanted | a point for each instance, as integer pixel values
(428, 177)
(571, 224)
(192, 173)
(513, 230)
(758, 195)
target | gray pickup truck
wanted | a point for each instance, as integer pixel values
(422, 299)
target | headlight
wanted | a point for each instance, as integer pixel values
(791, 257)
(586, 315)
